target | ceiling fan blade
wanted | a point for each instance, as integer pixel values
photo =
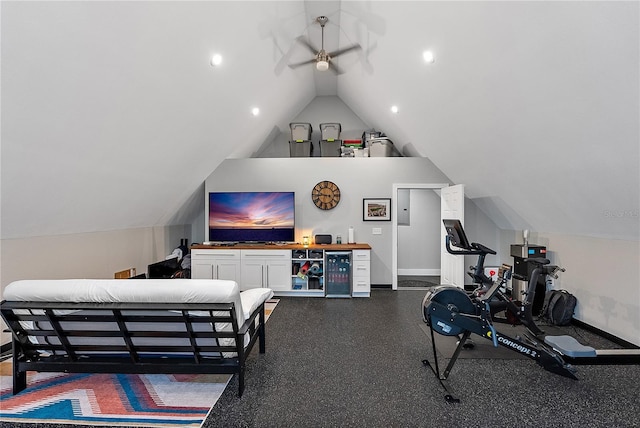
(284, 59)
(304, 41)
(298, 64)
(336, 70)
(344, 50)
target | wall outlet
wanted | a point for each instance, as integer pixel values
(376, 231)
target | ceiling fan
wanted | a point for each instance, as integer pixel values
(323, 58)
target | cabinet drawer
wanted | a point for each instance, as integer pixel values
(361, 268)
(215, 254)
(266, 254)
(361, 255)
(361, 284)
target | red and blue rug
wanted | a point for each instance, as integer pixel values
(112, 399)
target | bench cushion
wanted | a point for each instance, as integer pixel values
(133, 291)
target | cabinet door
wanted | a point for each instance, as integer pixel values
(215, 264)
(228, 269)
(202, 268)
(278, 275)
(252, 274)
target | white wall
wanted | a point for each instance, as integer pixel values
(357, 178)
(603, 274)
(85, 255)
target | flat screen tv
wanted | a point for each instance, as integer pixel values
(251, 216)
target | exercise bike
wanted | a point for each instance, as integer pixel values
(450, 311)
(516, 311)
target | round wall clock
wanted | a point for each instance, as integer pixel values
(325, 195)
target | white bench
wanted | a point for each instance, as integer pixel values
(133, 326)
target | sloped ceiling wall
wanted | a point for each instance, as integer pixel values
(112, 116)
(532, 105)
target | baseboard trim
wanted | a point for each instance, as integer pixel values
(608, 336)
(380, 285)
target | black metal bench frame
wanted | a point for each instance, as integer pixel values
(58, 354)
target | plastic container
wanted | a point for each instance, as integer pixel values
(330, 131)
(300, 131)
(300, 149)
(380, 147)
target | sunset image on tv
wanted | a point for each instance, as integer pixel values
(252, 216)
(251, 210)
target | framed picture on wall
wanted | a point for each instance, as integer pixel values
(376, 209)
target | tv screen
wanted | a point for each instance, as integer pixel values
(251, 216)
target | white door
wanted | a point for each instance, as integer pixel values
(451, 206)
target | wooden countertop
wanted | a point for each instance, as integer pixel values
(245, 246)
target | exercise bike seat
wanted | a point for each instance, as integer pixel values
(569, 346)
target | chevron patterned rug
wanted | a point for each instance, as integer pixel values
(158, 400)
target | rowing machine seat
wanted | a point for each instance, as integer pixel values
(569, 346)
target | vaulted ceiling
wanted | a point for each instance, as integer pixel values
(112, 115)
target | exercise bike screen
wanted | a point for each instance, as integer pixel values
(457, 237)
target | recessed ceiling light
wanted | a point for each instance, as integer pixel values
(255, 111)
(428, 57)
(216, 60)
(394, 109)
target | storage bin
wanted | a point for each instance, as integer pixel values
(330, 131)
(367, 136)
(380, 147)
(361, 153)
(300, 131)
(330, 148)
(346, 151)
(300, 149)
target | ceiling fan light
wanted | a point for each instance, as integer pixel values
(322, 65)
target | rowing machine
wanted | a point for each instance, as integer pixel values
(449, 311)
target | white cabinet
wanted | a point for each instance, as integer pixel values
(218, 264)
(361, 273)
(266, 268)
(290, 271)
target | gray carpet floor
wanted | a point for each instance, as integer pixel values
(358, 363)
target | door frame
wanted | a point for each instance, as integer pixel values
(394, 218)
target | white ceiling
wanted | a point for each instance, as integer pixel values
(112, 116)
